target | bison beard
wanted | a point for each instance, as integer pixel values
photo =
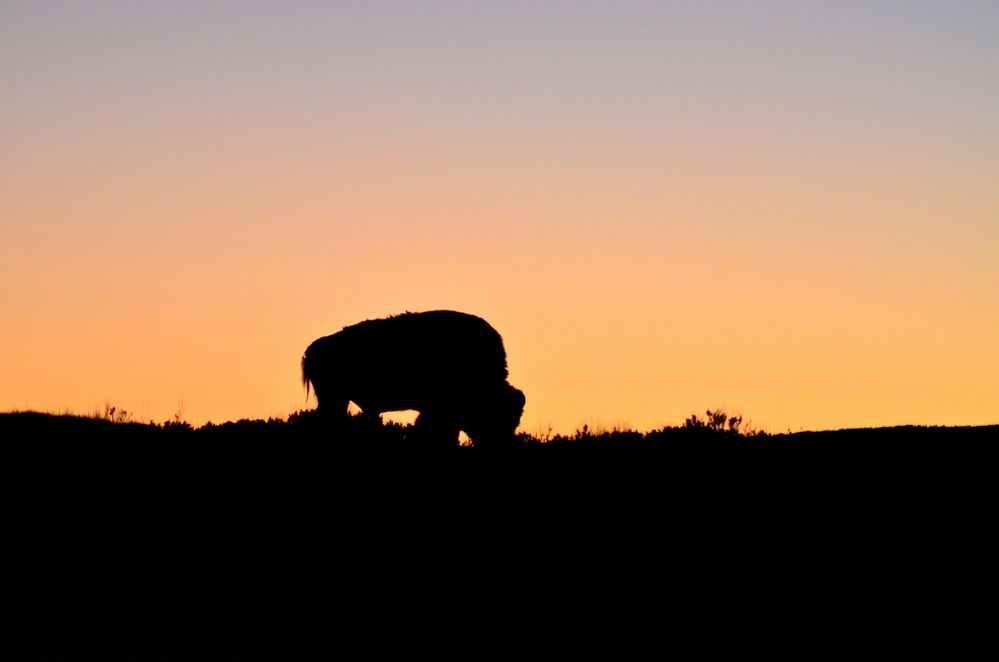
(449, 366)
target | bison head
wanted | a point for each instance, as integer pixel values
(496, 419)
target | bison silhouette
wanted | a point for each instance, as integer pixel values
(449, 366)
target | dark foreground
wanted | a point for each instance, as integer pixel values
(129, 545)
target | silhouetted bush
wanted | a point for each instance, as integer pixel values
(112, 414)
(721, 422)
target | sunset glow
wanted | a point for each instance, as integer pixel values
(786, 210)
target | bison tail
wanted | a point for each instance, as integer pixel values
(306, 381)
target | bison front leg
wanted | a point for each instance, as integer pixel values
(434, 429)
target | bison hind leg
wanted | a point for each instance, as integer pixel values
(331, 413)
(434, 429)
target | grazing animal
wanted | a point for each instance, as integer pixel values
(449, 366)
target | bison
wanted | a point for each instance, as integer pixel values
(449, 366)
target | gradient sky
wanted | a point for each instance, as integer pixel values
(786, 209)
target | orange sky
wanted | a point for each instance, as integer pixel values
(787, 210)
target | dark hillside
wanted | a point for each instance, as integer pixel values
(273, 540)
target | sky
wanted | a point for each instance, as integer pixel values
(787, 210)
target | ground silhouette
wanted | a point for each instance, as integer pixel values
(270, 540)
(449, 366)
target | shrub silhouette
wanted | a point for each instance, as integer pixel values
(721, 422)
(449, 366)
(112, 414)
